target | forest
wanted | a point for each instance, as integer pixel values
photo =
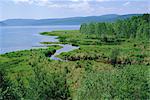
(112, 62)
(136, 27)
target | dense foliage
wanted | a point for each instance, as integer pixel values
(28, 75)
(136, 27)
(110, 64)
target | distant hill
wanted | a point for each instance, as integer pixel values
(65, 21)
(2, 24)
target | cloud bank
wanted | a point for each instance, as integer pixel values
(68, 8)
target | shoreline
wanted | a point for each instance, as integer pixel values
(46, 45)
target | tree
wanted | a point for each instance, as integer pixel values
(114, 57)
(91, 28)
(83, 28)
(137, 26)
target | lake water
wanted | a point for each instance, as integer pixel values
(65, 48)
(14, 38)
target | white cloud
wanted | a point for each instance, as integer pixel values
(90, 0)
(126, 3)
(103, 0)
(31, 1)
(76, 5)
(23, 1)
(83, 6)
(71, 4)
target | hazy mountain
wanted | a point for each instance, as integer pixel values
(2, 24)
(65, 21)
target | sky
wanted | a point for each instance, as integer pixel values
(41, 9)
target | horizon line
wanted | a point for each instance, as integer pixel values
(68, 17)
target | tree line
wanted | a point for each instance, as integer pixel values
(135, 27)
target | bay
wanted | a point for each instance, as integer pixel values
(14, 38)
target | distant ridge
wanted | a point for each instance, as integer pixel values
(65, 21)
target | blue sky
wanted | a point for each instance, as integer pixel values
(39, 9)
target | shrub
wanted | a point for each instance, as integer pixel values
(114, 56)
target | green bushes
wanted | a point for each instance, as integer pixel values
(30, 76)
(114, 57)
(6, 91)
(130, 83)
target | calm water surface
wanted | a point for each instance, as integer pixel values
(65, 48)
(16, 38)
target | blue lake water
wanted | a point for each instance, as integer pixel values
(14, 38)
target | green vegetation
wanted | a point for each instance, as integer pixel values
(29, 75)
(136, 27)
(111, 63)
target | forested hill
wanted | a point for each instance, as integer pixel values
(65, 21)
(135, 27)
